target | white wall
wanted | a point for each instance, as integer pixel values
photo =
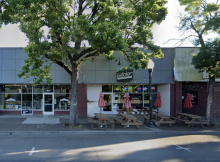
(165, 98)
(94, 91)
(93, 95)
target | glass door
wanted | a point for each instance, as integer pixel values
(108, 102)
(48, 104)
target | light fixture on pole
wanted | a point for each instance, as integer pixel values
(119, 63)
(150, 67)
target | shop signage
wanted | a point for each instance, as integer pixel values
(194, 97)
(124, 74)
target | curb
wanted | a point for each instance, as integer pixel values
(106, 132)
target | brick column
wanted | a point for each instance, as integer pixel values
(216, 101)
(178, 97)
(82, 100)
(172, 100)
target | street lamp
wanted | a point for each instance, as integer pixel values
(150, 67)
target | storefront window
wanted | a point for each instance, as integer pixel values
(12, 88)
(38, 89)
(38, 101)
(153, 95)
(118, 99)
(146, 100)
(106, 88)
(61, 89)
(27, 89)
(12, 101)
(26, 103)
(136, 100)
(48, 88)
(61, 101)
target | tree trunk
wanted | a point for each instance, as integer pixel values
(210, 98)
(74, 92)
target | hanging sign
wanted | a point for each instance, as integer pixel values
(124, 74)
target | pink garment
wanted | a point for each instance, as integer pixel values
(158, 102)
(101, 102)
(126, 103)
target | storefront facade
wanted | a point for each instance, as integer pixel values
(96, 74)
(189, 80)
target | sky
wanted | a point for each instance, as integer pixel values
(10, 36)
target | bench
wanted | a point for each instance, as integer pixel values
(112, 123)
(119, 120)
(183, 120)
(120, 111)
(139, 122)
(197, 122)
(92, 122)
(146, 118)
(122, 122)
(170, 122)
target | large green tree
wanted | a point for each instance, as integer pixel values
(66, 32)
(202, 18)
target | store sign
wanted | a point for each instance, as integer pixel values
(124, 74)
(139, 89)
(194, 97)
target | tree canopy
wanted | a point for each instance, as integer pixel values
(67, 32)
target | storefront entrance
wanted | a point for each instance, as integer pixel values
(48, 108)
(108, 102)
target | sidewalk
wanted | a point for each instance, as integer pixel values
(41, 124)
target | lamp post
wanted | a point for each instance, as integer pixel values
(150, 70)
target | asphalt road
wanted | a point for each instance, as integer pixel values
(115, 148)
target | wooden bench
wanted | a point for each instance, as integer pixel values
(112, 123)
(122, 122)
(92, 122)
(119, 120)
(163, 119)
(170, 122)
(120, 111)
(139, 122)
(146, 118)
(191, 119)
(197, 122)
(183, 120)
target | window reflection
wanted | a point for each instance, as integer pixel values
(106, 88)
(61, 101)
(136, 100)
(27, 89)
(118, 100)
(12, 101)
(38, 89)
(61, 89)
(12, 88)
(108, 102)
(26, 103)
(38, 101)
(48, 88)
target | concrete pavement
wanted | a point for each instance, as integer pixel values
(44, 124)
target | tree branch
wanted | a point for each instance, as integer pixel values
(88, 50)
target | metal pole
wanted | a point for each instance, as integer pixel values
(150, 76)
